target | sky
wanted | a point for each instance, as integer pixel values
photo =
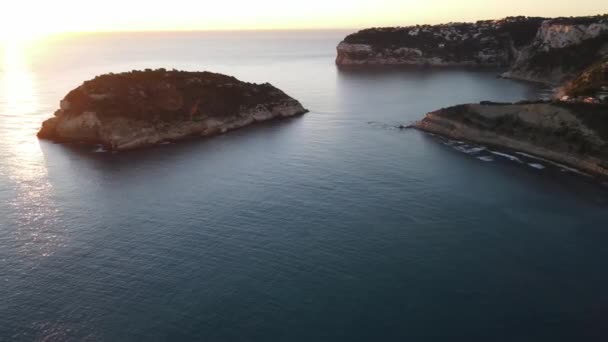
(29, 18)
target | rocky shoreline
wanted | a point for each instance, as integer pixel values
(144, 108)
(568, 53)
(531, 48)
(575, 134)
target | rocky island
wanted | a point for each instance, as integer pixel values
(143, 108)
(531, 48)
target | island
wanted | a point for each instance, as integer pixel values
(530, 48)
(143, 108)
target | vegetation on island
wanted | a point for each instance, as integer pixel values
(167, 95)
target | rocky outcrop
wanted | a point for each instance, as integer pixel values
(562, 49)
(571, 52)
(143, 108)
(535, 49)
(575, 134)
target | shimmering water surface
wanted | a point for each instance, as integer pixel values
(334, 226)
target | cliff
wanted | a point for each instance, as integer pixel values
(484, 43)
(562, 49)
(575, 134)
(143, 108)
(533, 48)
(571, 52)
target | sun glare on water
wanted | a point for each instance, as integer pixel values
(23, 160)
(19, 116)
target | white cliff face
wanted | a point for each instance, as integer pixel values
(360, 54)
(353, 54)
(558, 36)
(363, 54)
(557, 40)
(355, 48)
(126, 133)
(79, 127)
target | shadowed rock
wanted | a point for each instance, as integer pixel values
(143, 108)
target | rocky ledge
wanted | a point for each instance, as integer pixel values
(532, 48)
(575, 134)
(142, 108)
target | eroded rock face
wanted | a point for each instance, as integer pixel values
(554, 34)
(562, 49)
(143, 108)
(575, 134)
(534, 49)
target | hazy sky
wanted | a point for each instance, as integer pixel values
(30, 17)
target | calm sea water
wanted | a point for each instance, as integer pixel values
(334, 226)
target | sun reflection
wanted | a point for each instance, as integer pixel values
(19, 104)
(22, 167)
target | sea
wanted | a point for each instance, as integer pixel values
(333, 226)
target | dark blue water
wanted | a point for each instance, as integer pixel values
(330, 227)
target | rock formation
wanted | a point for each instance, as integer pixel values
(575, 134)
(143, 108)
(571, 52)
(535, 49)
(562, 49)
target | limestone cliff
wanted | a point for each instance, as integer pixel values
(532, 48)
(562, 49)
(142, 108)
(575, 134)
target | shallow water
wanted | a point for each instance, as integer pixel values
(328, 227)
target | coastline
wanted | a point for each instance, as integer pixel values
(435, 123)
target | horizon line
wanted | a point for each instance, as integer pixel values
(276, 29)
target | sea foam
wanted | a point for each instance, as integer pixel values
(508, 156)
